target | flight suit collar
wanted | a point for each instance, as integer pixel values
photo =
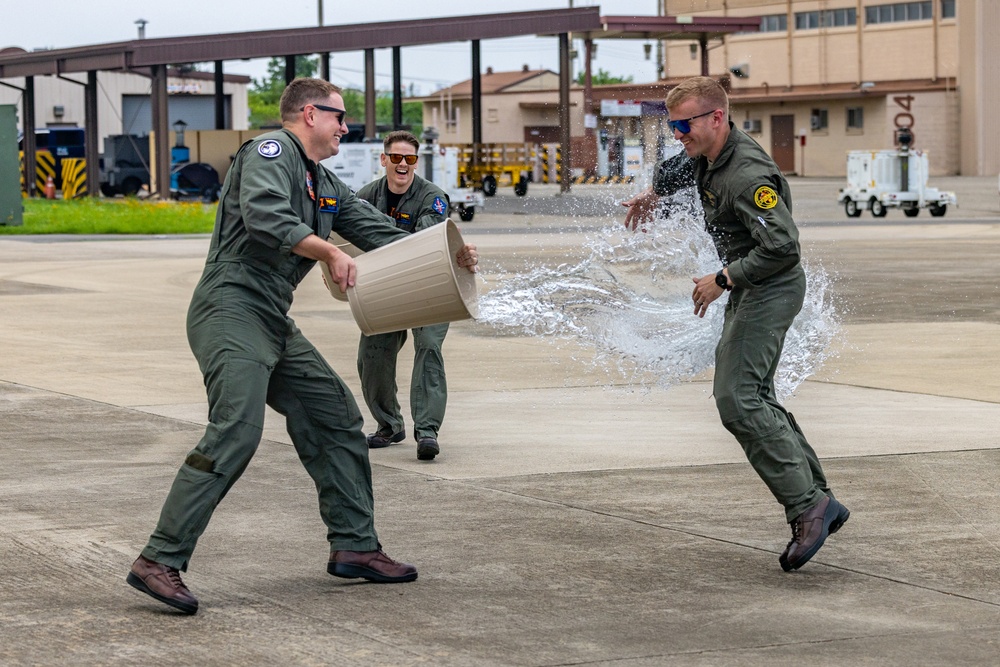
(726, 153)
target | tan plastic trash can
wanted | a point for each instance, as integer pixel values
(413, 282)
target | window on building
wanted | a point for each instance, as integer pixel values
(774, 23)
(829, 18)
(492, 115)
(947, 9)
(806, 20)
(818, 120)
(901, 11)
(855, 118)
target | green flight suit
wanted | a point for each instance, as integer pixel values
(251, 353)
(748, 212)
(421, 206)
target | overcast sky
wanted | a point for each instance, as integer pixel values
(68, 23)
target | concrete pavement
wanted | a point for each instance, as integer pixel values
(570, 519)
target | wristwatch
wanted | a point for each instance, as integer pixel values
(722, 281)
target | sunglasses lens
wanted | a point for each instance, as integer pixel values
(411, 159)
(681, 126)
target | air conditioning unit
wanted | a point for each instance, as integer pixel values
(751, 126)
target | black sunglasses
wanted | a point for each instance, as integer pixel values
(322, 107)
(396, 158)
(683, 125)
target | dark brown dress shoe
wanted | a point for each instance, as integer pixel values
(163, 583)
(427, 448)
(371, 565)
(841, 519)
(810, 529)
(384, 438)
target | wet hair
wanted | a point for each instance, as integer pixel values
(699, 87)
(303, 91)
(400, 135)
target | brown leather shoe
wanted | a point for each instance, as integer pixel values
(371, 565)
(810, 529)
(163, 583)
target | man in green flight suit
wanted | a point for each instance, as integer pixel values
(748, 212)
(277, 208)
(415, 204)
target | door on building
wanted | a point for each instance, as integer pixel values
(783, 142)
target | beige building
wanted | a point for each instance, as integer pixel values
(521, 106)
(826, 76)
(822, 77)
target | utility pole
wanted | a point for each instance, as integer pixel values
(324, 58)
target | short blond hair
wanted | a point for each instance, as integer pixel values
(702, 88)
(303, 91)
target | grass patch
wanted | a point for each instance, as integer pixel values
(113, 216)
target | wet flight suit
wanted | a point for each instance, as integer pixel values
(251, 353)
(748, 212)
(421, 206)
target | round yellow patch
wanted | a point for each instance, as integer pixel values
(765, 197)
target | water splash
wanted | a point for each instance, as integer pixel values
(629, 301)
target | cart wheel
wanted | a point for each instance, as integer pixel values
(521, 187)
(911, 212)
(878, 208)
(489, 185)
(937, 210)
(466, 214)
(851, 208)
(131, 186)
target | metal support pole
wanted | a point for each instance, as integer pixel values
(220, 98)
(28, 125)
(370, 128)
(477, 95)
(90, 134)
(397, 90)
(324, 58)
(703, 46)
(289, 69)
(161, 128)
(565, 141)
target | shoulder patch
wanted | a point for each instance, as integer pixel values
(439, 206)
(269, 148)
(765, 197)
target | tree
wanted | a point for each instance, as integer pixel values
(265, 93)
(602, 78)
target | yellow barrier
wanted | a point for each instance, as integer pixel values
(74, 177)
(46, 166)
